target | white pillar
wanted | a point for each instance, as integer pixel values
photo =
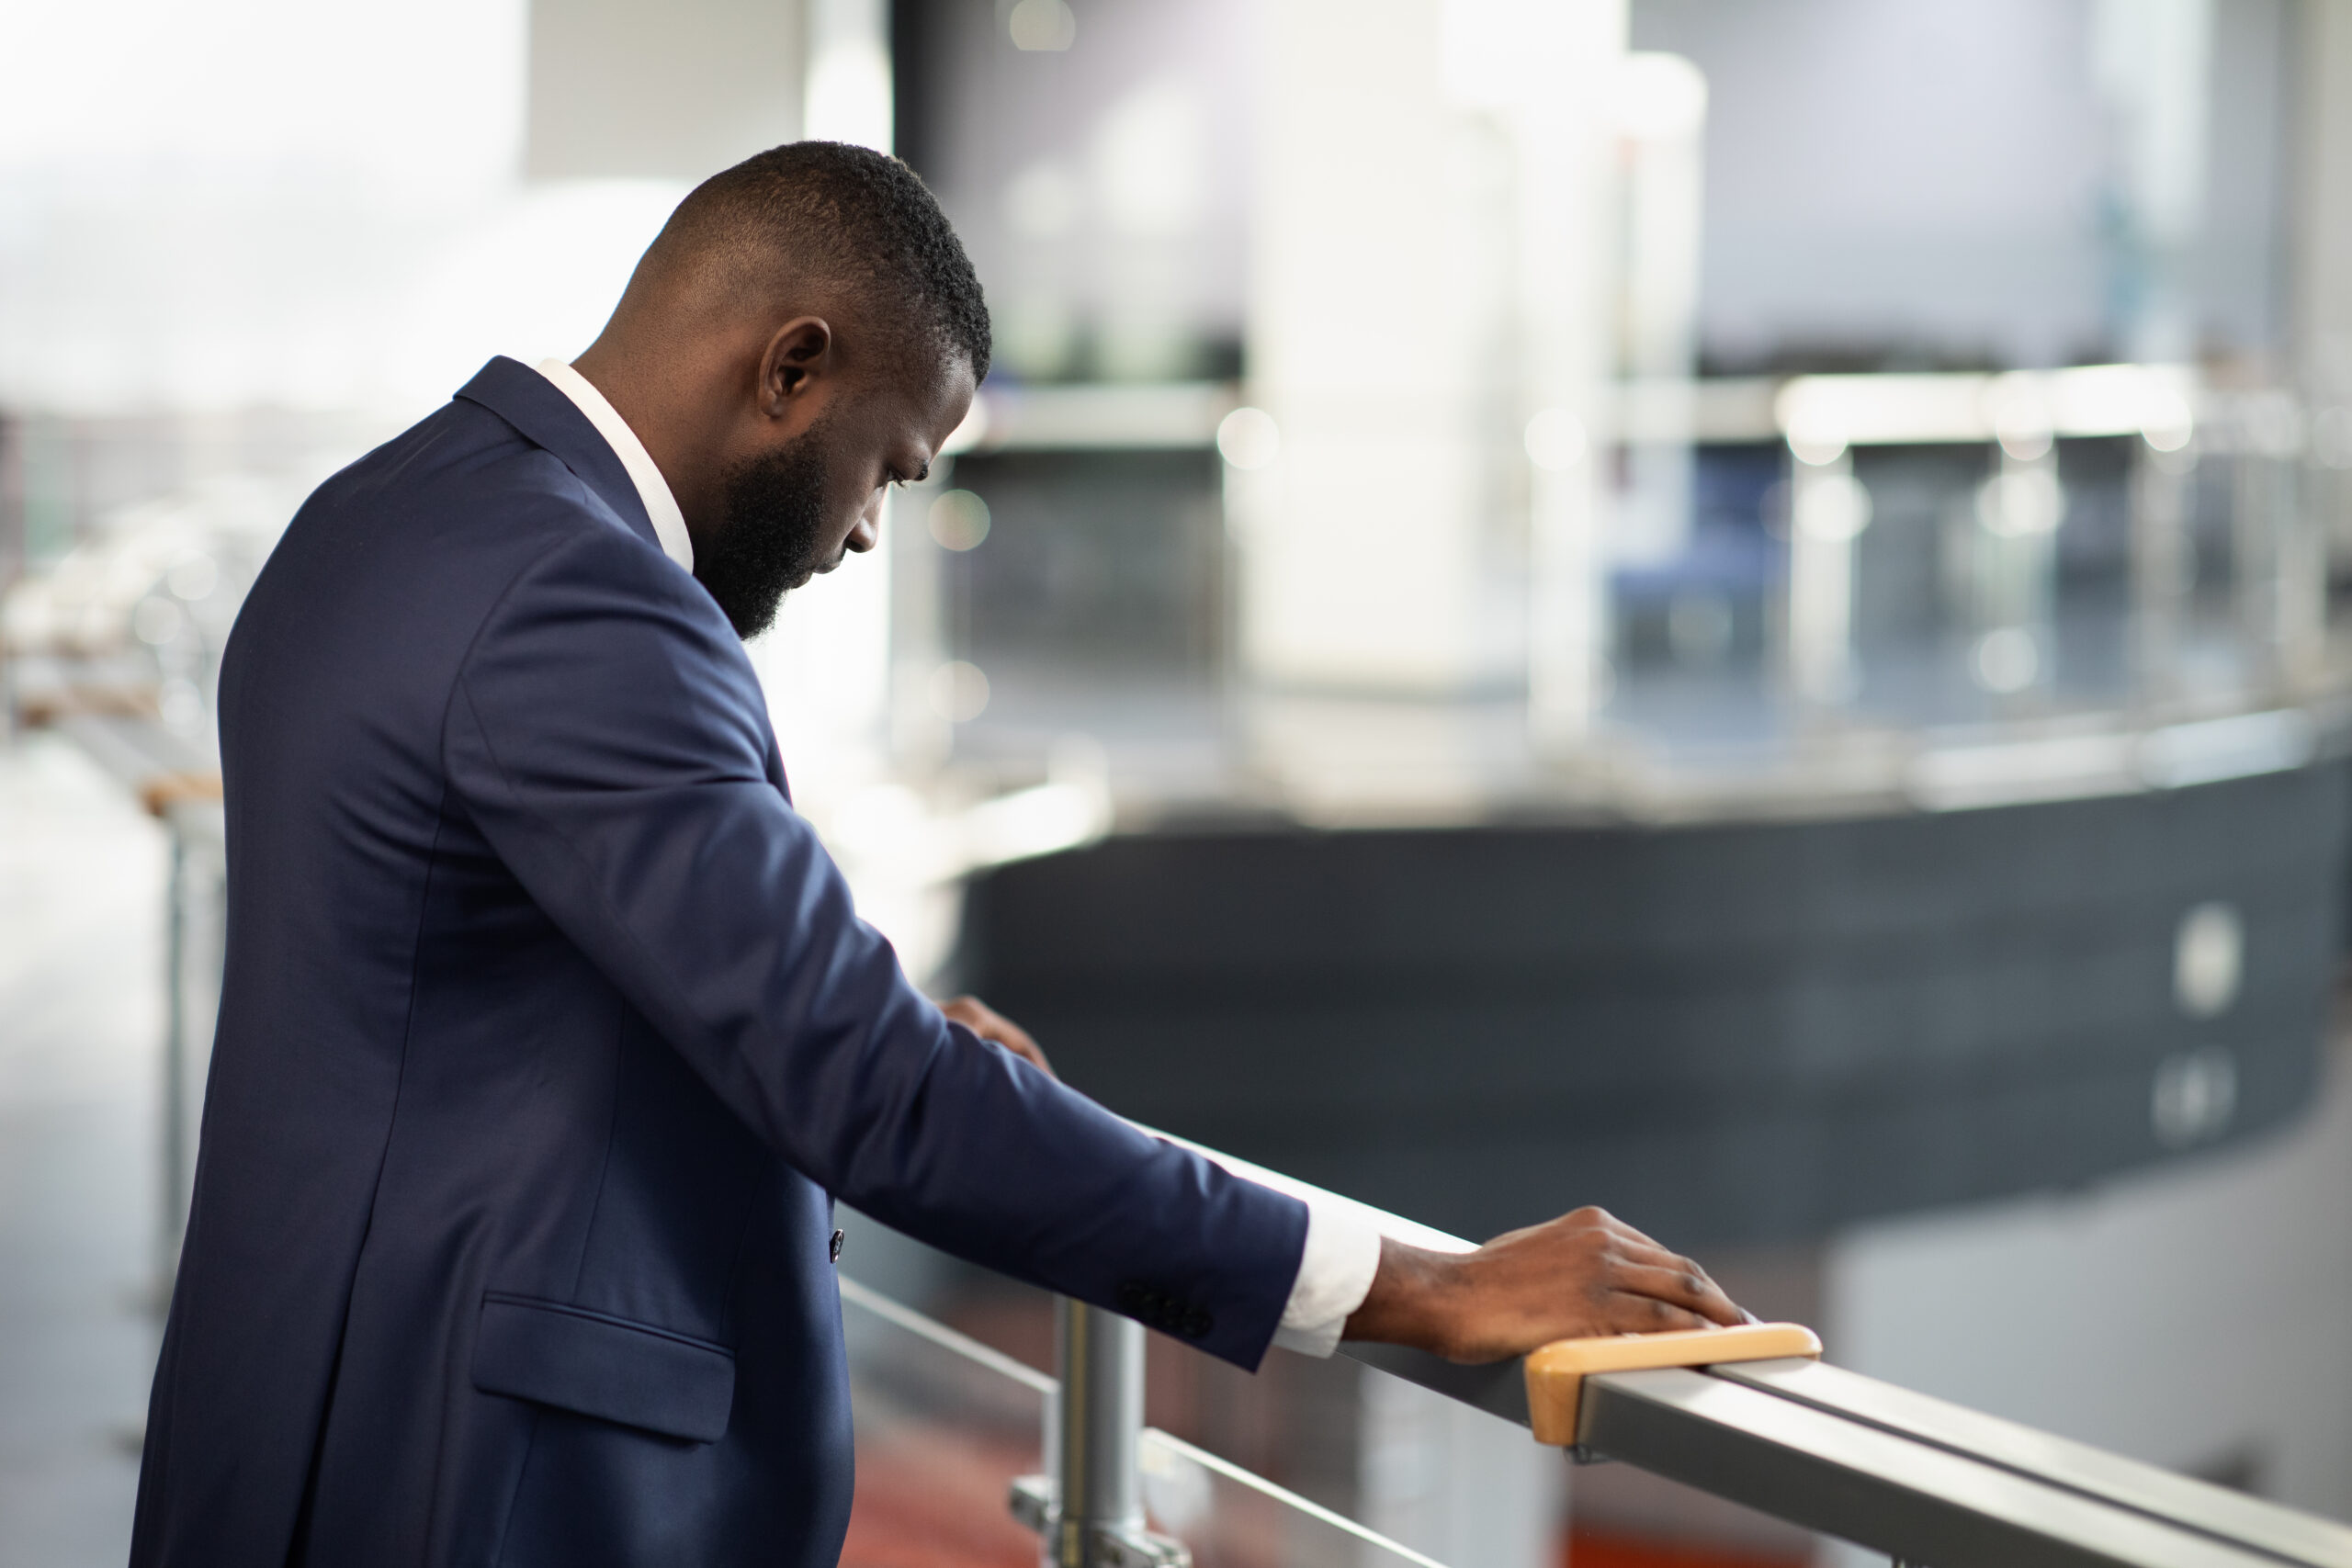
(2322, 207)
(1425, 251)
(2322, 318)
(1660, 121)
(848, 94)
(1567, 224)
(2153, 62)
(676, 91)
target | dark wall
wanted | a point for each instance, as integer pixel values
(1727, 1034)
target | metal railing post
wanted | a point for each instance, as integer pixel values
(1099, 1492)
(1089, 1513)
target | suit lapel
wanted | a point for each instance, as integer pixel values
(537, 407)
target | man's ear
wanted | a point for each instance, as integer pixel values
(798, 355)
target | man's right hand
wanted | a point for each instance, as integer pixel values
(1584, 1274)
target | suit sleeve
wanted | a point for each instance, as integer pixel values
(607, 736)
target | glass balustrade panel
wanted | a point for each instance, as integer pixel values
(946, 1425)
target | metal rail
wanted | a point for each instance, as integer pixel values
(1922, 1480)
(177, 781)
(2285, 1533)
(1917, 1501)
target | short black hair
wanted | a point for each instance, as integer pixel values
(850, 215)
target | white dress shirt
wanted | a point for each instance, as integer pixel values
(1334, 1276)
(669, 522)
(1342, 1250)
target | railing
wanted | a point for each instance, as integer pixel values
(179, 782)
(1921, 1480)
(947, 1427)
(1924, 1481)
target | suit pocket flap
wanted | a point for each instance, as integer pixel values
(604, 1367)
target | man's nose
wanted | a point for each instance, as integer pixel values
(867, 533)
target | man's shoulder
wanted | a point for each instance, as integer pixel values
(459, 506)
(404, 557)
(460, 461)
(548, 555)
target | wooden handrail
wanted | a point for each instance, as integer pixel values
(1556, 1373)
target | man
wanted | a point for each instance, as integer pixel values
(548, 1034)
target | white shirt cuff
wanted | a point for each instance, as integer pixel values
(1335, 1271)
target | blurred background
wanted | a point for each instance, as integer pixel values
(1730, 608)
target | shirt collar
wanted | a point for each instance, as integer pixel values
(660, 506)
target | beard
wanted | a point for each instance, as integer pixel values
(770, 539)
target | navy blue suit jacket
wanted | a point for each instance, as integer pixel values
(547, 1036)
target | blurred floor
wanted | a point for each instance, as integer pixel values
(82, 875)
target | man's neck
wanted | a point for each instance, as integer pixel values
(660, 408)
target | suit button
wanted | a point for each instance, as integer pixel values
(833, 1248)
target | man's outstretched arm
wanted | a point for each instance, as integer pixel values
(1584, 1273)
